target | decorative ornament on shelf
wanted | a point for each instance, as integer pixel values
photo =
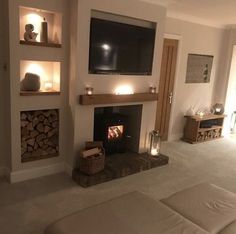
(48, 86)
(31, 82)
(44, 31)
(29, 34)
(218, 109)
(201, 113)
(89, 90)
(155, 143)
(152, 89)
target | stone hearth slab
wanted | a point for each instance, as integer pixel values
(120, 165)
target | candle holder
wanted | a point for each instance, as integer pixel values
(152, 89)
(201, 114)
(218, 109)
(155, 143)
(89, 90)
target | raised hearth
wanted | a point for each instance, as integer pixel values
(120, 165)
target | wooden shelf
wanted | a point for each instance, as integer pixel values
(97, 99)
(205, 117)
(208, 129)
(39, 93)
(43, 44)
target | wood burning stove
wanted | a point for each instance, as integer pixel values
(110, 128)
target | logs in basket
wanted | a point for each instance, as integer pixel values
(92, 164)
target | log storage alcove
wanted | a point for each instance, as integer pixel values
(39, 134)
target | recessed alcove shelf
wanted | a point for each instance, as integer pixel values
(39, 93)
(44, 44)
(36, 17)
(49, 73)
(97, 99)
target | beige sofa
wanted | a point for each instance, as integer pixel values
(202, 209)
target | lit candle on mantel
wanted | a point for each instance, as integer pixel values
(89, 90)
(152, 89)
(48, 86)
(124, 90)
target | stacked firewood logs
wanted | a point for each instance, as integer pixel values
(39, 134)
(207, 135)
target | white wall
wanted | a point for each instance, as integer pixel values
(108, 83)
(222, 83)
(230, 104)
(196, 39)
(226, 83)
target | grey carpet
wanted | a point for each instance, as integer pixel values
(28, 207)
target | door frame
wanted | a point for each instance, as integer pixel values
(173, 137)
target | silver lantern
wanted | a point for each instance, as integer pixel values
(154, 143)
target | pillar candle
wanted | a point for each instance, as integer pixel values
(44, 31)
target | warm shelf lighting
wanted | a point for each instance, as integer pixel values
(124, 90)
(49, 73)
(35, 68)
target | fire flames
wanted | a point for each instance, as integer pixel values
(115, 132)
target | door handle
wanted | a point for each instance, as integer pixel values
(170, 97)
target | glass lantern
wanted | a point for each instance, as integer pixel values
(155, 143)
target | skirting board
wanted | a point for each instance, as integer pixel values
(28, 174)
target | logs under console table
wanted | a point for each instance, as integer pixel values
(200, 129)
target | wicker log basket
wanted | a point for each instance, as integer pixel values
(95, 163)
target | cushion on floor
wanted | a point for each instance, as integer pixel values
(133, 213)
(206, 205)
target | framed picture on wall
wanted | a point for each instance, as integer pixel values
(199, 68)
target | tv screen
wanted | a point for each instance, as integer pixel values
(118, 48)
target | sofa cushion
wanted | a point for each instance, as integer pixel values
(133, 213)
(207, 205)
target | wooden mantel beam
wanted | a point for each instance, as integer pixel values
(97, 99)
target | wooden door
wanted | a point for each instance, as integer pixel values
(166, 86)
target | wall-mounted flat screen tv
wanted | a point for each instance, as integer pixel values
(118, 48)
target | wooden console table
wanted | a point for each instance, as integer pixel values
(200, 129)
